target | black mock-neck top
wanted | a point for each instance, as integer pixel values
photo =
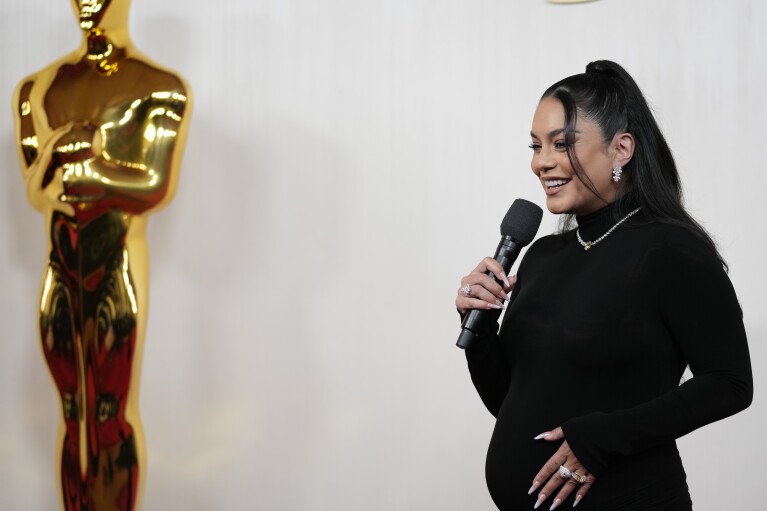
(596, 342)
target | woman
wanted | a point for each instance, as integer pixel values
(583, 375)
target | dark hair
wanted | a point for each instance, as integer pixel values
(608, 96)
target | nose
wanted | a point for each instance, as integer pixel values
(542, 162)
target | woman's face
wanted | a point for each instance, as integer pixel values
(565, 192)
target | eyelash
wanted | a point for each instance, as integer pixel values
(560, 145)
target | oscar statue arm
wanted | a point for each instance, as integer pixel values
(36, 145)
(130, 158)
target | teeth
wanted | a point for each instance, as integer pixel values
(555, 182)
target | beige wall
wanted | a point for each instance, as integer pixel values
(348, 162)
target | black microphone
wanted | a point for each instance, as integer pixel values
(518, 229)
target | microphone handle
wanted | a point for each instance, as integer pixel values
(507, 252)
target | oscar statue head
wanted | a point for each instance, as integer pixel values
(101, 14)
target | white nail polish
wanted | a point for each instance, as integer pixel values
(505, 280)
(495, 306)
(541, 436)
(555, 504)
(540, 500)
(577, 499)
(535, 485)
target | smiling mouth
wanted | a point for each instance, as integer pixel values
(555, 184)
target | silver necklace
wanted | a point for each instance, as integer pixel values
(588, 244)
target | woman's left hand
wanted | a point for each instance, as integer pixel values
(550, 472)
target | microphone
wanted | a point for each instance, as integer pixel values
(518, 229)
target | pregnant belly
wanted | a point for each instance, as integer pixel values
(513, 460)
(651, 480)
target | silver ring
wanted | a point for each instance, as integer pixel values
(466, 290)
(564, 473)
(577, 477)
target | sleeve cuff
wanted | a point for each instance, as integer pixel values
(578, 433)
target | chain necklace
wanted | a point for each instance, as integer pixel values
(588, 244)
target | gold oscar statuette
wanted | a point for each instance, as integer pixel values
(100, 134)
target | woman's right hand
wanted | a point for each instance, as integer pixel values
(481, 291)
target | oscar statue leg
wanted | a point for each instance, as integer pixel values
(60, 349)
(110, 341)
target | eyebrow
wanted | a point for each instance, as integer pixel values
(552, 133)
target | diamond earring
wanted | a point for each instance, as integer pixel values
(617, 171)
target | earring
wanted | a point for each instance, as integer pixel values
(617, 171)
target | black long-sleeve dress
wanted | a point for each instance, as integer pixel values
(596, 342)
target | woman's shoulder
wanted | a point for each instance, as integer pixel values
(678, 243)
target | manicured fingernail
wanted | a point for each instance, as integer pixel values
(495, 306)
(555, 504)
(540, 500)
(534, 487)
(577, 499)
(541, 436)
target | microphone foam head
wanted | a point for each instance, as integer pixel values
(522, 221)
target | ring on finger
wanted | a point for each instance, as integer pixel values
(466, 290)
(577, 477)
(564, 473)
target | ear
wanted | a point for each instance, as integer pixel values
(623, 145)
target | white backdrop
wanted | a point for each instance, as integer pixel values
(348, 162)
